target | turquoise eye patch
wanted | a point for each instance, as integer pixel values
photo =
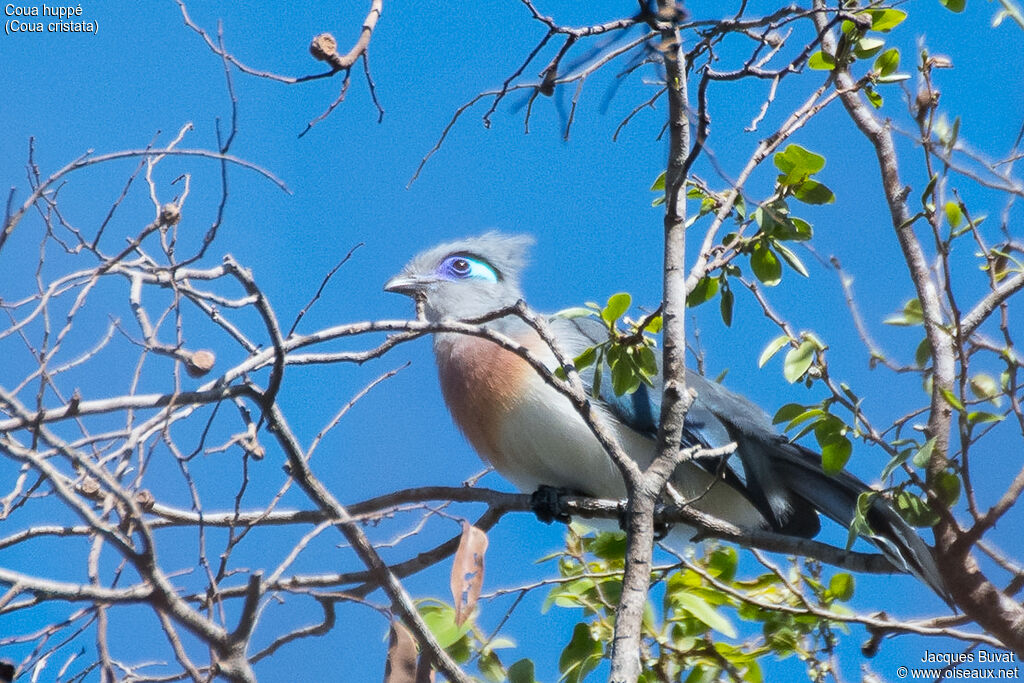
(464, 267)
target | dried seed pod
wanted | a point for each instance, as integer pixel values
(89, 487)
(145, 499)
(170, 214)
(200, 363)
(324, 47)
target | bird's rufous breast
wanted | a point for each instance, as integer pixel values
(482, 384)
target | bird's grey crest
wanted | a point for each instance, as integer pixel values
(447, 297)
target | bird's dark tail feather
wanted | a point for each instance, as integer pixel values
(836, 497)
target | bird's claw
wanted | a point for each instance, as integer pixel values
(546, 503)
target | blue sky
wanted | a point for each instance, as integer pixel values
(586, 200)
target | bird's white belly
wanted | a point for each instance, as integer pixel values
(546, 442)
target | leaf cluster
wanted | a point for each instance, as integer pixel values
(629, 356)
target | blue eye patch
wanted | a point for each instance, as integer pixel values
(465, 267)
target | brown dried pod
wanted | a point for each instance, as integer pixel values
(170, 214)
(89, 487)
(926, 100)
(250, 443)
(200, 363)
(74, 402)
(324, 47)
(145, 500)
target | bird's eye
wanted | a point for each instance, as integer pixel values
(460, 267)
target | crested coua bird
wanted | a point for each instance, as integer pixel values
(533, 436)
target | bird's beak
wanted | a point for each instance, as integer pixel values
(403, 284)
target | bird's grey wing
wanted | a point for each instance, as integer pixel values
(784, 480)
(641, 409)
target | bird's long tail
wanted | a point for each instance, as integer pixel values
(836, 497)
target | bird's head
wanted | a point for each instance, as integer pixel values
(465, 279)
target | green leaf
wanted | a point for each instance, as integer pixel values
(522, 672)
(766, 265)
(985, 387)
(647, 360)
(835, 454)
(608, 545)
(885, 20)
(915, 510)
(625, 379)
(585, 359)
(923, 353)
(797, 163)
(659, 186)
(773, 348)
(822, 61)
(771, 219)
(859, 524)
(841, 586)
(580, 656)
(654, 325)
(813, 192)
(868, 47)
(788, 412)
(874, 98)
(723, 563)
(460, 650)
(895, 462)
(887, 62)
(951, 399)
(740, 207)
(616, 306)
(954, 215)
(616, 355)
(813, 338)
(982, 417)
(954, 5)
(789, 257)
(950, 142)
(440, 619)
(725, 306)
(947, 486)
(574, 594)
(699, 608)
(574, 312)
(704, 290)
(802, 230)
(926, 194)
(850, 394)
(798, 360)
(490, 666)
(500, 643)
(924, 454)
(912, 315)
(893, 78)
(782, 638)
(830, 432)
(810, 416)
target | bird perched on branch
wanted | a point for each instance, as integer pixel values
(534, 436)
